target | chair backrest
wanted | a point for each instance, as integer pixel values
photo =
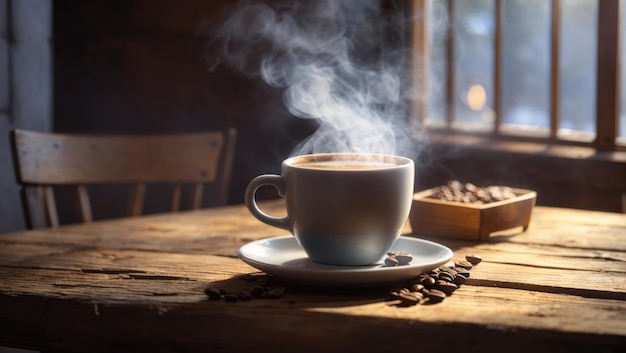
(46, 160)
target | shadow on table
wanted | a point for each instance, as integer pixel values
(256, 286)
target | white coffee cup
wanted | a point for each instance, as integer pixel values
(343, 208)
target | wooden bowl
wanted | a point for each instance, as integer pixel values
(458, 220)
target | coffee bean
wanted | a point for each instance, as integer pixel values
(231, 297)
(474, 259)
(419, 295)
(464, 264)
(262, 280)
(447, 269)
(428, 282)
(257, 291)
(460, 279)
(213, 293)
(244, 294)
(404, 258)
(396, 258)
(446, 276)
(391, 261)
(462, 271)
(417, 287)
(408, 298)
(275, 292)
(435, 296)
(446, 287)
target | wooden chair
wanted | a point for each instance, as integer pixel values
(44, 161)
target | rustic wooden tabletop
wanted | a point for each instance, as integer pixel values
(139, 283)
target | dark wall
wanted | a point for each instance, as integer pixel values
(146, 66)
(139, 67)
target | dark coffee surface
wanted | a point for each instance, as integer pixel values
(345, 165)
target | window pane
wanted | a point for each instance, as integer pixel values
(578, 67)
(621, 136)
(526, 62)
(474, 52)
(438, 67)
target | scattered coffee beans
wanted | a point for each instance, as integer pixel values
(417, 287)
(446, 287)
(275, 292)
(469, 193)
(474, 259)
(463, 263)
(428, 281)
(428, 288)
(459, 279)
(462, 271)
(262, 288)
(434, 286)
(231, 297)
(391, 261)
(435, 296)
(447, 276)
(396, 258)
(408, 298)
(244, 294)
(213, 293)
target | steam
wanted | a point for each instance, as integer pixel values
(314, 50)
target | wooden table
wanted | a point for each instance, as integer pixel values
(138, 284)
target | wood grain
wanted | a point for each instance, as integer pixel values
(138, 283)
(51, 159)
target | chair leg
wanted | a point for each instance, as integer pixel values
(137, 195)
(196, 196)
(176, 198)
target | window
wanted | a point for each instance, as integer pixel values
(534, 70)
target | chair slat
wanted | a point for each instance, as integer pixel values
(84, 204)
(137, 195)
(69, 159)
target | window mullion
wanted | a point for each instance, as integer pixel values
(555, 84)
(450, 78)
(420, 58)
(608, 74)
(497, 66)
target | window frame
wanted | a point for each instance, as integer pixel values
(607, 110)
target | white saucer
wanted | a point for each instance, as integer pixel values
(283, 257)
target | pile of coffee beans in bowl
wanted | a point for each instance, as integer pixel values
(433, 287)
(469, 193)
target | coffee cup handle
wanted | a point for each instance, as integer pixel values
(250, 198)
